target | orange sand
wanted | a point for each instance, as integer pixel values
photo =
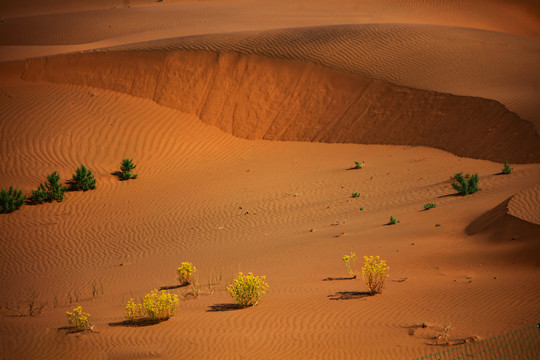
(244, 119)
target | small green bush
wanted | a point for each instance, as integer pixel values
(50, 191)
(83, 179)
(185, 271)
(467, 184)
(374, 273)
(355, 194)
(507, 168)
(429, 206)
(78, 320)
(248, 289)
(11, 200)
(126, 166)
(393, 221)
(350, 261)
(156, 307)
(359, 165)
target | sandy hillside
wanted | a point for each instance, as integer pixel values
(244, 120)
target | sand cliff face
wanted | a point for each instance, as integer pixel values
(259, 98)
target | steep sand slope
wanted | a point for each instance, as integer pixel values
(229, 205)
(259, 98)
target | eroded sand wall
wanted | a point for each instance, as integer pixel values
(260, 98)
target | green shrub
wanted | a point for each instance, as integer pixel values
(185, 271)
(359, 165)
(83, 179)
(467, 184)
(155, 307)
(247, 290)
(50, 191)
(350, 261)
(78, 319)
(355, 194)
(507, 168)
(393, 221)
(374, 273)
(125, 170)
(429, 206)
(11, 200)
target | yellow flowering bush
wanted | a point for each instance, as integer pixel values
(185, 271)
(374, 273)
(350, 261)
(78, 319)
(248, 289)
(155, 307)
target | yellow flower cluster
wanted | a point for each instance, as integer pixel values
(185, 271)
(248, 289)
(155, 307)
(350, 260)
(374, 273)
(79, 319)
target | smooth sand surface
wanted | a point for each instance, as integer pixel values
(244, 119)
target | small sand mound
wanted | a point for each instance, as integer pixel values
(525, 205)
(512, 219)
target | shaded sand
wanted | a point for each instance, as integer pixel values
(203, 118)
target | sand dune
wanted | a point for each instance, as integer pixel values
(202, 95)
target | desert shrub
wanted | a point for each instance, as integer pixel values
(393, 221)
(374, 273)
(429, 206)
(355, 194)
(126, 166)
(248, 289)
(78, 319)
(83, 179)
(185, 271)
(507, 168)
(350, 261)
(155, 307)
(467, 184)
(359, 165)
(52, 190)
(11, 200)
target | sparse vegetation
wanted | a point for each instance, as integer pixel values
(507, 168)
(97, 289)
(11, 200)
(248, 289)
(355, 194)
(374, 272)
(429, 206)
(185, 271)
(393, 221)
(83, 179)
(214, 280)
(350, 261)
(155, 307)
(467, 184)
(126, 166)
(51, 191)
(359, 165)
(79, 320)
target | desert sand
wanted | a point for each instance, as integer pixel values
(244, 119)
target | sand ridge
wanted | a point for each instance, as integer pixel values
(285, 100)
